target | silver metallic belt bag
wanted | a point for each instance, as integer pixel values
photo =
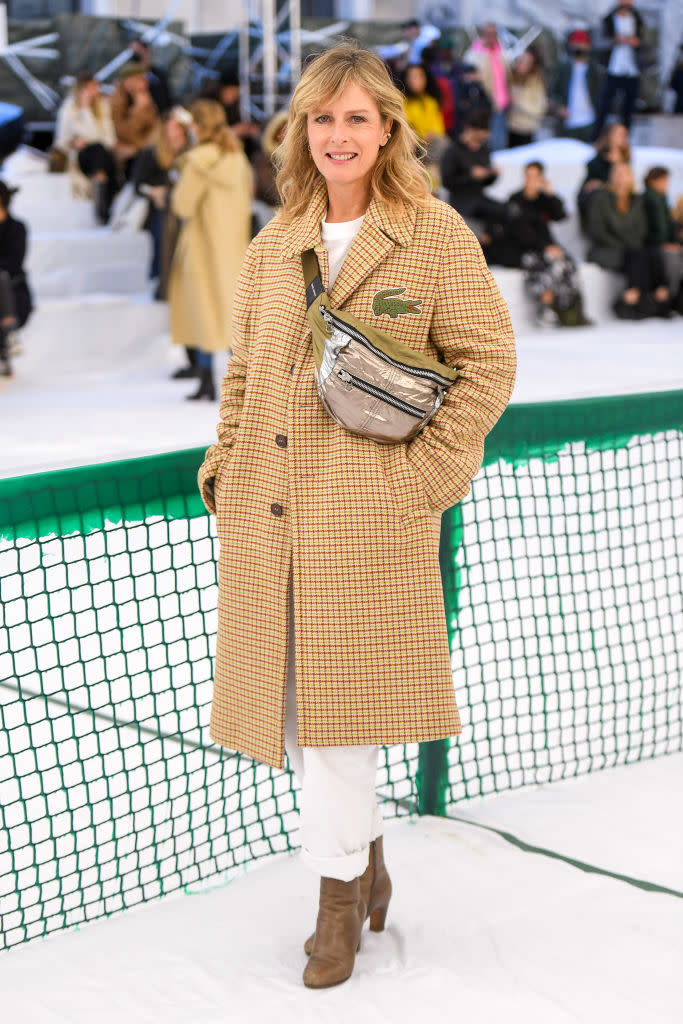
(370, 383)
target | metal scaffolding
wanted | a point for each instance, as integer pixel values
(269, 55)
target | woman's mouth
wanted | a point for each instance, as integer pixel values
(341, 157)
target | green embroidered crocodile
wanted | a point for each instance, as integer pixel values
(385, 304)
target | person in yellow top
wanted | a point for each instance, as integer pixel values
(424, 116)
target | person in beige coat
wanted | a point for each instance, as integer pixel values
(332, 636)
(212, 198)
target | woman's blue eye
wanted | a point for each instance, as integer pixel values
(357, 118)
(322, 118)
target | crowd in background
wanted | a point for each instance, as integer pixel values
(200, 177)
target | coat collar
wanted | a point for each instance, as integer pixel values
(380, 232)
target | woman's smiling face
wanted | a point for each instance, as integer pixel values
(345, 135)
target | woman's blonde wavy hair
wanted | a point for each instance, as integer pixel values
(398, 177)
(212, 126)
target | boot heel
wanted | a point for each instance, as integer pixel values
(377, 919)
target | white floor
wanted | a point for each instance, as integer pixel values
(478, 930)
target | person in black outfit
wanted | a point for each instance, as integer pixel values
(15, 296)
(466, 170)
(157, 79)
(227, 92)
(623, 29)
(676, 83)
(550, 273)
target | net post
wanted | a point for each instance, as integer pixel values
(432, 769)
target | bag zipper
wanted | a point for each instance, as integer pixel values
(329, 318)
(384, 396)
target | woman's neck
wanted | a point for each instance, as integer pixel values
(347, 202)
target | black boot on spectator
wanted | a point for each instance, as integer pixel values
(187, 371)
(5, 366)
(101, 196)
(206, 390)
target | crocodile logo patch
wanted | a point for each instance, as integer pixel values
(387, 303)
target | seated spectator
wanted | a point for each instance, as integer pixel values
(528, 98)
(15, 296)
(613, 148)
(262, 164)
(617, 229)
(213, 200)
(575, 89)
(466, 170)
(157, 79)
(136, 119)
(550, 273)
(676, 83)
(663, 231)
(85, 135)
(155, 170)
(424, 116)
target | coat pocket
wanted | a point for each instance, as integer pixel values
(404, 483)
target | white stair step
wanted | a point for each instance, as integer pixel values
(99, 335)
(72, 263)
(54, 215)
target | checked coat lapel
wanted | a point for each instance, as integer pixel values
(379, 235)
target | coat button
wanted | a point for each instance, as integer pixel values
(276, 509)
(281, 440)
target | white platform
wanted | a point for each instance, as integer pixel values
(478, 930)
(79, 263)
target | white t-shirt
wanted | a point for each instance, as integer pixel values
(623, 58)
(579, 104)
(338, 239)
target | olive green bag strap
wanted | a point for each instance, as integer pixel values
(312, 279)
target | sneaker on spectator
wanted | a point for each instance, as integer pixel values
(545, 316)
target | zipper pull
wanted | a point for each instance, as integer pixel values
(325, 315)
(344, 376)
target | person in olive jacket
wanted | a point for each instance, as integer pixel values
(617, 229)
(15, 296)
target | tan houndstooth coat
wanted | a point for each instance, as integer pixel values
(355, 519)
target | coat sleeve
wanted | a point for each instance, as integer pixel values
(472, 330)
(234, 382)
(188, 193)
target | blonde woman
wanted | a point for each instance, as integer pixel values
(332, 636)
(212, 198)
(85, 133)
(154, 171)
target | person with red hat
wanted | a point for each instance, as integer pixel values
(575, 89)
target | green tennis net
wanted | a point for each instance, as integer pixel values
(563, 576)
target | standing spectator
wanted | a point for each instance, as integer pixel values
(623, 29)
(212, 198)
(617, 229)
(676, 82)
(85, 134)
(15, 296)
(575, 89)
(227, 92)
(444, 91)
(136, 119)
(528, 98)
(487, 56)
(466, 170)
(470, 97)
(264, 169)
(157, 79)
(613, 148)
(153, 174)
(663, 231)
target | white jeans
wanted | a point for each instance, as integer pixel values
(339, 815)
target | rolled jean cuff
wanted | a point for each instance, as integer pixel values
(346, 868)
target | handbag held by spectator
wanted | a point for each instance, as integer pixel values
(370, 383)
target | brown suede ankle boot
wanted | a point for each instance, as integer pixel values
(375, 891)
(337, 933)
